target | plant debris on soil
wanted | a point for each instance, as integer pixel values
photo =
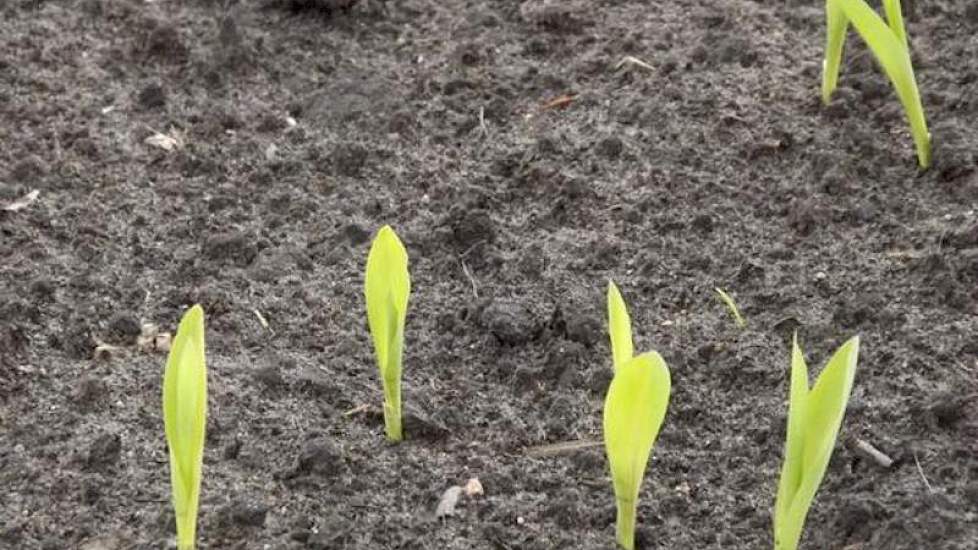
(240, 155)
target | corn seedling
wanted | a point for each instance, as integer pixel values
(387, 286)
(185, 418)
(888, 42)
(814, 419)
(619, 327)
(732, 307)
(633, 412)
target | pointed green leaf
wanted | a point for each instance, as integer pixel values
(824, 408)
(619, 327)
(185, 419)
(791, 472)
(633, 413)
(894, 17)
(835, 37)
(387, 287)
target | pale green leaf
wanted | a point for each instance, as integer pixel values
(794, 447)
(835, 37)
(824, 409)
(185, 420)
(619, 327)
(387, 287)
(894, 16)
(634, 409)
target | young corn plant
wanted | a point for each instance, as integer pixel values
(814, 418)
(387, 286)
(634, 409)
(888, 42)
(184, 419)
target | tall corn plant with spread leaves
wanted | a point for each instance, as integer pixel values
(888, 42)
(387, 286)
(814, 419)
(185, 418)
(634, 409)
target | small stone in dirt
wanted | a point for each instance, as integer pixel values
(242, 513)
(315, 381)
(552, 15)
(448, 501)
(703, 222)
(232, 450)
(971, 12)
(610, 147)
(165, 44)
(418, 425)
(104, 452)
(326, 6)
(42, 289)
(124, 329)
(91, 393)
(237, 247)
(470, 227)
(583, 328)
(349, 159)
(152, 96)
(318, 457)
(599, 380)
(269, 376)
(77, 340)
(330, 534)
(356, 234)
(971, 490)
(511, 322)
(91, 490)
(946, 408)
(468, 54)
(28, 170)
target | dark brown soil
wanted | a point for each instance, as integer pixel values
(522, 170)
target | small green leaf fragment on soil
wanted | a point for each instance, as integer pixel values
(731, 307)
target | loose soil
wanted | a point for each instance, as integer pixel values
(523, 165)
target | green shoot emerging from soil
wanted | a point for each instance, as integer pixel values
(619, 327)
(387, 286)
(731, 306)
(185, 417)
(888, 42)
(814, 419)
(633, 413)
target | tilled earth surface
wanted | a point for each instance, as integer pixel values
(525, 159)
